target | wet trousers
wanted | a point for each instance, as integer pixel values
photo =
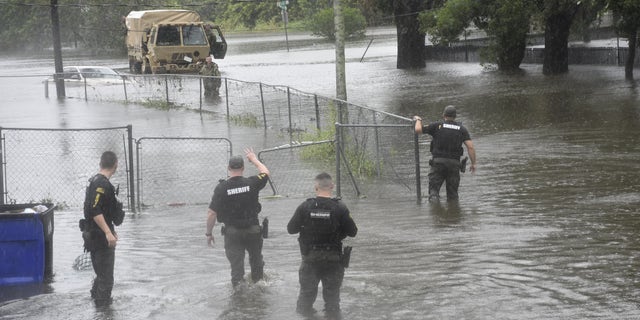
(103, 261)
(236, 242)
(444, 170)
(211, 87)
(331, 273)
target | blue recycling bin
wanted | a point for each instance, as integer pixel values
(26, 244)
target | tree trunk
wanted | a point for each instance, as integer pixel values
(556, 43)
(510, 52)
(411, 42)
(631, 55)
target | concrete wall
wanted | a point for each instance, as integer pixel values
(534, 55)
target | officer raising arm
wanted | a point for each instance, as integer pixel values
(235, 203)
(323, 222)
(446, 150)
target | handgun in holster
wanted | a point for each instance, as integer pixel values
(222, 230)
(463, 164)
(265, 228)
(346, 257)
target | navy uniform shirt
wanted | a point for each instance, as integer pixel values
(236, 199)
(100, 199)
(448, 137)
(322, 208)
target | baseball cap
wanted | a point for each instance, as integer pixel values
(236, 162)
(450, 111)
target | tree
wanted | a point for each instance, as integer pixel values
(506, 22)
(627, 24)
(558, 16)
(411, 40)
(322, 23)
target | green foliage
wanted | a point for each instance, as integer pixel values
(160, 104)
(355, 155)
(447, 23)
(322, 151)
(627, 13)
(245, 119)
(506, 22)
(322, 23)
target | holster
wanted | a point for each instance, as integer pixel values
(346, 257)
(463, 164)
(265, 228)
(223, 230)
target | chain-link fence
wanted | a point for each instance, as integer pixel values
(54, 165)
(175, 171)
(379, 148)
(303, 162)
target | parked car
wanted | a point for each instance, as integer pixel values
(93, 75)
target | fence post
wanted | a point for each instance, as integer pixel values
(85, 89)
(226, 95)
(132, 193)
(166, 87)
(2, 167)
(289, 112)
(416, 147)
(315, 101)
(264, 113)
(138, 178)
(46, 88)
(124, 85)
(337, 139)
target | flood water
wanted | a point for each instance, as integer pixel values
(548, 227)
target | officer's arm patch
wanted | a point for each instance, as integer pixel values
(262, 175)
(95, 202)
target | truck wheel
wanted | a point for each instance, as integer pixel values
(137, 67)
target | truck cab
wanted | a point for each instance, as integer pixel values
(171, 42)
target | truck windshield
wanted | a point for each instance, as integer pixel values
(168, 36)
(193, 35)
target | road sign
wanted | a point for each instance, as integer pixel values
(282, 4)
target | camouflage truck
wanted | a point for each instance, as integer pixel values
(171, 41)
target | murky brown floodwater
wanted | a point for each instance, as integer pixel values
(548, 228)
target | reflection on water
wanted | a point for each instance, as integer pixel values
(547, 228)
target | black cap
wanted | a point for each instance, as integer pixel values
(236, 162)
(450, 111)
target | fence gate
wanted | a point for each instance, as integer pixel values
(54, 165)
(293, 166)
(179, 170)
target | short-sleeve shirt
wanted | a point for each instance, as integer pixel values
(235, 200)
(99, 198)
(448, 137)
(322, 208)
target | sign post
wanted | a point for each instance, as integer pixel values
(282, 4)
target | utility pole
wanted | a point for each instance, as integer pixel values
(57, 50)
(341, 81)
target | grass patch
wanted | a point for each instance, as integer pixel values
(160, 104)
(245, 119)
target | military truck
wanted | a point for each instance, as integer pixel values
(171, 41)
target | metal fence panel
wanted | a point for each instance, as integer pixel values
(173, 171)
(293, 166)
(55, 164)
(375, 152)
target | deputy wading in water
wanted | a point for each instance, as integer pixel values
(102, 211)
(323, 222)
(235, 203)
